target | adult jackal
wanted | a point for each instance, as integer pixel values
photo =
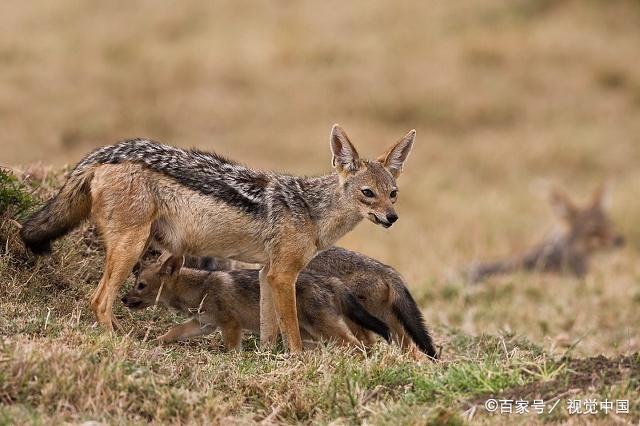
(588, 229)
(191, 202)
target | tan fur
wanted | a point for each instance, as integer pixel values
(229, 300)
(378, 287)
(381, 290)
(586, 229)
(134, 206)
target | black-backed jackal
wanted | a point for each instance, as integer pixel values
(230, 301)
(382, 291)
(379, 288)
(587, 229)
(190, 202)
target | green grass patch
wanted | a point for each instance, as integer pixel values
(16, 198)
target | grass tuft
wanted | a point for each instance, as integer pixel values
(16, 199)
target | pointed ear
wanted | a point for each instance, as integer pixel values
(562, 205)
(171, 266)
(393, 159)
(345, 157)
(136, 269)
(601, 196)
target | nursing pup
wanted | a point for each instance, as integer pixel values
(230, 301)
(382, 291)
(378, 287)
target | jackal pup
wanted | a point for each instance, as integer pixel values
(587, 229)
(382, 291)
(378, 287)
(230, 300)
(190, 202)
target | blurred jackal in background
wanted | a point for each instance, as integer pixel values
(230, 301)
(587, 229)
(190, 202)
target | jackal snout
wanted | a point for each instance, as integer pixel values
(143, 293)
(371, 184)
(385, 219)
(151, 280)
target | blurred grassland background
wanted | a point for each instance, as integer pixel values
(508, 97)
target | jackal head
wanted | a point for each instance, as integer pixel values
(150, 278)
(590, 227)
(371, 185)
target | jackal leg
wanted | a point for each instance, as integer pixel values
(367, 337)
(98, 293)
(268, 322)
(402, 339)
(283, 288)
(339, 330)
(183, 331)
(232, 336)
(398, 335)
(123, 251)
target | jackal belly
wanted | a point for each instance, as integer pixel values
(199, 225)
(212, 230)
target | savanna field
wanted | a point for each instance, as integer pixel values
(509, 99)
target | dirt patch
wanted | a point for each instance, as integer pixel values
(580, 375)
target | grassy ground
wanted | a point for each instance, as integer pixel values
(57, 366)
(508, 98)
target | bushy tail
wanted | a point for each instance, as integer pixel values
(66, 210)
(406, 311)
(359, 315)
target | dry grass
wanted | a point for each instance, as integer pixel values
(56, 366)
(507, 97)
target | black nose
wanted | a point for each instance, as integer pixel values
(392, 217)
(619, 241)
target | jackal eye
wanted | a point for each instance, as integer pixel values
(368, 193)
(394, 193)
(141, 286)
